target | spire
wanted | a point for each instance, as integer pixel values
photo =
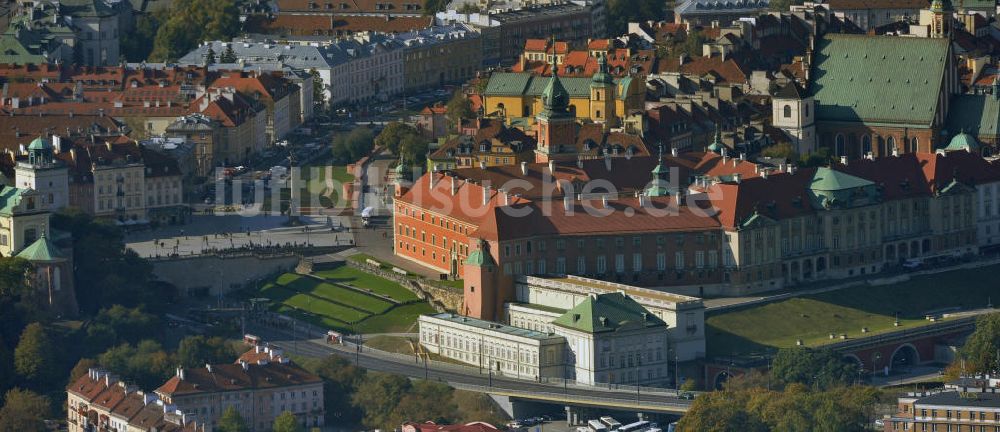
(555, 98)
(602, 76)
(716, 145)
(661, 178)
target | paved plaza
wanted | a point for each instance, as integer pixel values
(230, 231)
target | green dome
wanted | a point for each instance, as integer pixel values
(963, 141)
(39, 144)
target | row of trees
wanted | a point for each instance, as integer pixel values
(353, 146)
(381, 400)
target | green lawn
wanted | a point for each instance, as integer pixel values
(343, 309)
(401, 319)
(335, 293)
(315, 191)
(812, 318)
(357, 278)
(292, 299)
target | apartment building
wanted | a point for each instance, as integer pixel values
(100, 401)
(946, 411)
(260, 385)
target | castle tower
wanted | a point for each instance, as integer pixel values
(940, 19)
(602, 95)
(556, 125)
(44, 174)
(660, 182)
(793, 111)
(481, 290)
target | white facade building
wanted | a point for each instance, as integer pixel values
(44, 174)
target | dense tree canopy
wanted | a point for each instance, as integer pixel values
(822, 368)
(195, 351)
(190, 22)
(459, 108)
(24, 411)
(146, 364)
(797, 408)
(35, 357)
(622, 12)
(981, 351)
(392, 134)
(341, 379)
(353, 146)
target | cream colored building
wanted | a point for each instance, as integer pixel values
(23, 219)
(503, 349)
(119, 189)
(100, 401)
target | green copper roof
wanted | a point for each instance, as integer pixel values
(38, 144)
(602, 77)
(555, 98)
(827, 179)
(608, 312)
(979, 115)
(42, 250)
(525, 84)
(963, 141)
(480, 258)
(10, 197)
(716, 145)
(878, 79)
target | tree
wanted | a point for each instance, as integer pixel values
(81, 368)
(35, 356)
(426, 401)
(413, 148)
(24, 411)
(622, 12)
(231, 421)
(210, 56)
(819, 158)
(459, 108)
(286, 422)
(355, 145)
(378, 395)
(137, 44)
(822, 368)
(228, 56)
(783, 5)
(190, 22)
(392, 134)
(782, 150)
(146, 364)
(14, 276)
(981, 351)
(721, 411)
(432, 7)
(319, 90)
(195, 351)
(341, 378)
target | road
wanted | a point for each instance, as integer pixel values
(462, 378)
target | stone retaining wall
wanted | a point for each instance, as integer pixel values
(439, 298)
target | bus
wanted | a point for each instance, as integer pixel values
(612, 424)
(596, 426)
(635, 427)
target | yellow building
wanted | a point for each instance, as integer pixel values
(516, 97)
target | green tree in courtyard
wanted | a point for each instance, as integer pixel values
(232, 421)
(286, 422)
(981, 351)
(35, 357)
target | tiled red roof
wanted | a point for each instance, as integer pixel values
(728, 70)
(229, 377)
(318, 25)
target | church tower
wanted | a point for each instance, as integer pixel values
(555, 124)
(602, 95)
(792, 111)
(53, 277)
(44, 174)
(940, 19)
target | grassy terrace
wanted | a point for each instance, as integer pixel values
(357, 278)
(812, 318)
(336, 307)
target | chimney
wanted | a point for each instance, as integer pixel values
(432, 179)
(486, 195)
(843, 160)
(208, 367)
(737, 178)
(764, 172)
(245, 364)
(642, 201)
(743, 157)
(673, 152)
(454, 185)
(552, 167)
(607, 163)
(604, 201)
(180, 373)
(524, 168)
(568, 203)
(482, 164)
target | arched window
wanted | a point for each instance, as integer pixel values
(788, 111)
(866, 144)
(914, 145)
(840, 146)
(890, 143)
